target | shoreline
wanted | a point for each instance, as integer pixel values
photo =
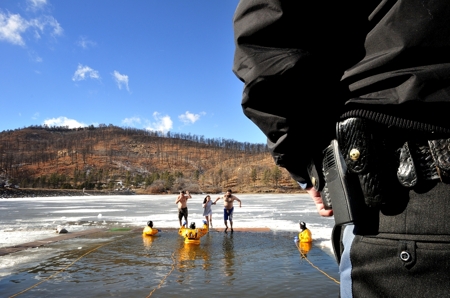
(9, 193)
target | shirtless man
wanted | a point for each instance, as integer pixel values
(182, 206)
(228, 199)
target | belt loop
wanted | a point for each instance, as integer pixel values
(407, 253)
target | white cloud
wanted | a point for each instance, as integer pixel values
(190, 118)
(131, 121)
(13, 26)
(35, 116)
(121, 80)
(85, 43)
(84, 72)
(46, 21)
(52, 22)
(163, 123)
(64, 121)
(35, 57)
(36, 4)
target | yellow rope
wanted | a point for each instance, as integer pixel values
(165, 277)
(56, 273)
(314, 266)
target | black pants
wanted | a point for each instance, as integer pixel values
(183, 212)
(403, 249)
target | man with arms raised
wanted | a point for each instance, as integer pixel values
(182, 206)
(228, 199)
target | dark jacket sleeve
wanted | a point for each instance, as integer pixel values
(291, 88)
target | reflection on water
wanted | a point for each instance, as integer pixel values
(148, 241)
(190, 256)
(228, 256)
(222, 265)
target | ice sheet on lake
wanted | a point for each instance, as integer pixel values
(27, 219)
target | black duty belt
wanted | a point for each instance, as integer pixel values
(428, 160)
(375, 161)
(380, 156)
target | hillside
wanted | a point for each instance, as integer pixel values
(110, 158)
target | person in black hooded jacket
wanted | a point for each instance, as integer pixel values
(378, 73)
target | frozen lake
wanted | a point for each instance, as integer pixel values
(28, 219)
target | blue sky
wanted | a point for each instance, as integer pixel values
(149, 64)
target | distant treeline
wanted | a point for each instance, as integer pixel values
(217, 142)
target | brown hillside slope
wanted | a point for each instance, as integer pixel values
(112, 158)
